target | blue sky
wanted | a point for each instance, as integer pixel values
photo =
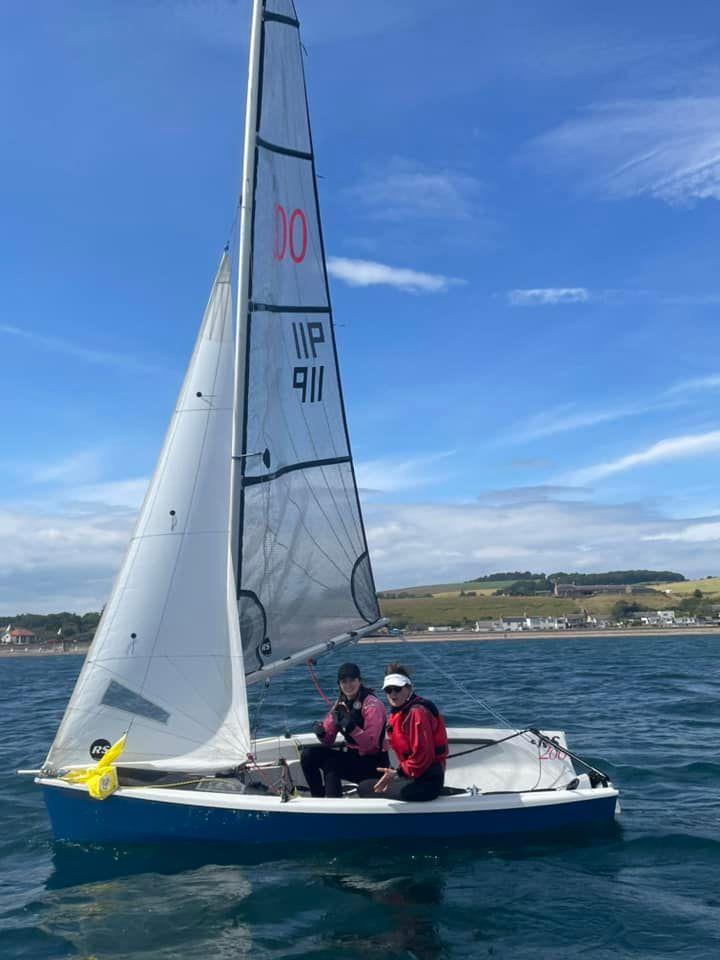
(520, 204)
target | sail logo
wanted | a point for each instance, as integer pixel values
(291, 234)
(98, 748)
(308, 379)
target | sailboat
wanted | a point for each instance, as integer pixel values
(250, 557)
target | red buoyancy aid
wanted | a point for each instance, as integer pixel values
(398, 733)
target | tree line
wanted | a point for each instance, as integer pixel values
(75, 627)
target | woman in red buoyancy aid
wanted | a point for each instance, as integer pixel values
(417, 734)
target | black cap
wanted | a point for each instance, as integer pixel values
(348, 671)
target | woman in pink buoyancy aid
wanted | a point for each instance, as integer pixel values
(360, 717)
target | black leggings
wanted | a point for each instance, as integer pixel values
(337, 765)
(428, 786)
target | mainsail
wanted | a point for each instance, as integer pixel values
(302, 570)
(163, 665)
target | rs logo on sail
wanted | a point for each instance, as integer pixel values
(308, 379)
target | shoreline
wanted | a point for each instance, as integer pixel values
(20, 653)
(592, 634)
(17, 652)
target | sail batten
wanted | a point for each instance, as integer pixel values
(303, 575)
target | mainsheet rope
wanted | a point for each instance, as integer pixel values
(463, 689)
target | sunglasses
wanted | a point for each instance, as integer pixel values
(392, 690)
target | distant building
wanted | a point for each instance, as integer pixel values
(540, 623)
(573, 590)
(660, 618)
(441, 629)
(484, 626)
(17, 635)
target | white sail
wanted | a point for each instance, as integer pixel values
(303, 572)
(164, 665)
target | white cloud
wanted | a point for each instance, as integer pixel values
(674, 448)
(56, 345)
(389, 474)
(430, 543)
(58, 561)
(402, 189)
(548, 296)
(367, 273)
(694, 533)
(667, 148)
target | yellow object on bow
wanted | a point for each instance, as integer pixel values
(102, 779)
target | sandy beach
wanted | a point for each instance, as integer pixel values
(592, 634)
(14, 652)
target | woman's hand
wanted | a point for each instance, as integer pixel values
(388, 775)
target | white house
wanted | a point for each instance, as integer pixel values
(17, 635)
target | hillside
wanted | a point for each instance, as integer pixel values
(461, 604)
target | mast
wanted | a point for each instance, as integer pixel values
(244, 262)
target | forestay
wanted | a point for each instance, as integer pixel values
(303, 573)
(163, 665)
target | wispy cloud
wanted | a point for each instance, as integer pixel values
(76, 468)
(124, 494)
(566, 417)
(368, 273)
(711, 382)
(403, 189)
(56, 345)
(668, 148)
(674, 448)
(389, 474)
(540, 493)
(555, 296)
(547, 295)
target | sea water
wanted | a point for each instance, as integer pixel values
(646, 710)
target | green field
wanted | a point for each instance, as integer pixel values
(447, 608)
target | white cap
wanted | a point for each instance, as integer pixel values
(396, 680)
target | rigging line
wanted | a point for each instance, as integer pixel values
(348, 556)
(258, 714)
(463, 689)
(316, 682)
(230, 232)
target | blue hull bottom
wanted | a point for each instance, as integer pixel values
(76, 817)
